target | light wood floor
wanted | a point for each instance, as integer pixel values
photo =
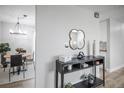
(30, 83)
(114, 79)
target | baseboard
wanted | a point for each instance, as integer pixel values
(107, 70)
(117, 68)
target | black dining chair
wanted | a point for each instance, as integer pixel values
(3, 61)
(16, 61)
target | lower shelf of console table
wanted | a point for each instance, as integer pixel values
(84, 84)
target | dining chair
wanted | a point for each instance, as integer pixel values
(3, 61)
(31, 59)
(16, 61)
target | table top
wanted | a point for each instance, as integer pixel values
(85, 59)
(8, 55)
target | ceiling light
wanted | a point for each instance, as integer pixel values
(18, 27)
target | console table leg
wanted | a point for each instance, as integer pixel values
(62, 80)
(104, 74)
(56, 79)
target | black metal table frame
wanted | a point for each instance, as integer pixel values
(60, 69)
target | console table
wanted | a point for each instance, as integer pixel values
(78, 64)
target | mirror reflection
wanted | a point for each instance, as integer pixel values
(77, 39)
(17, 46)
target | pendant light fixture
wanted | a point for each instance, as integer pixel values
(18, 27)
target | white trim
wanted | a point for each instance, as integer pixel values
(114, 69)
(107, 70)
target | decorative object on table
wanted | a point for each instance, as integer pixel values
(84, 77)
(88, 77)
(80, 55)
(68, 85)
(69, 67)
(97, 62)
(77, 39)
(94, 46)
(20, 50)
(85, 65)
(103, 46)
(65, 58)
(74, 56)
(91, 79)
(88, 48)
(4, 47)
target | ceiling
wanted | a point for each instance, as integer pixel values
(9, 13)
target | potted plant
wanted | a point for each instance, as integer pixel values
(4, 47)
(68, 85)
(88, 77)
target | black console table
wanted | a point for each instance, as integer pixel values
(77, 64)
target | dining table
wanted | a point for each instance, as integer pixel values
(24, 57)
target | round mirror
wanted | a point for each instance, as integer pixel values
(77, 39)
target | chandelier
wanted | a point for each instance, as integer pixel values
(18, 27)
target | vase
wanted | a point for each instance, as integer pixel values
(94, 46)
(88, 48)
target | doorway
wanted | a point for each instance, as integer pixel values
(17, 40)
(105, 37)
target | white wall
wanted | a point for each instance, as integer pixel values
(18, 41)
(0, 31)
(116, 45)
(53, 25)
(103, 30)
